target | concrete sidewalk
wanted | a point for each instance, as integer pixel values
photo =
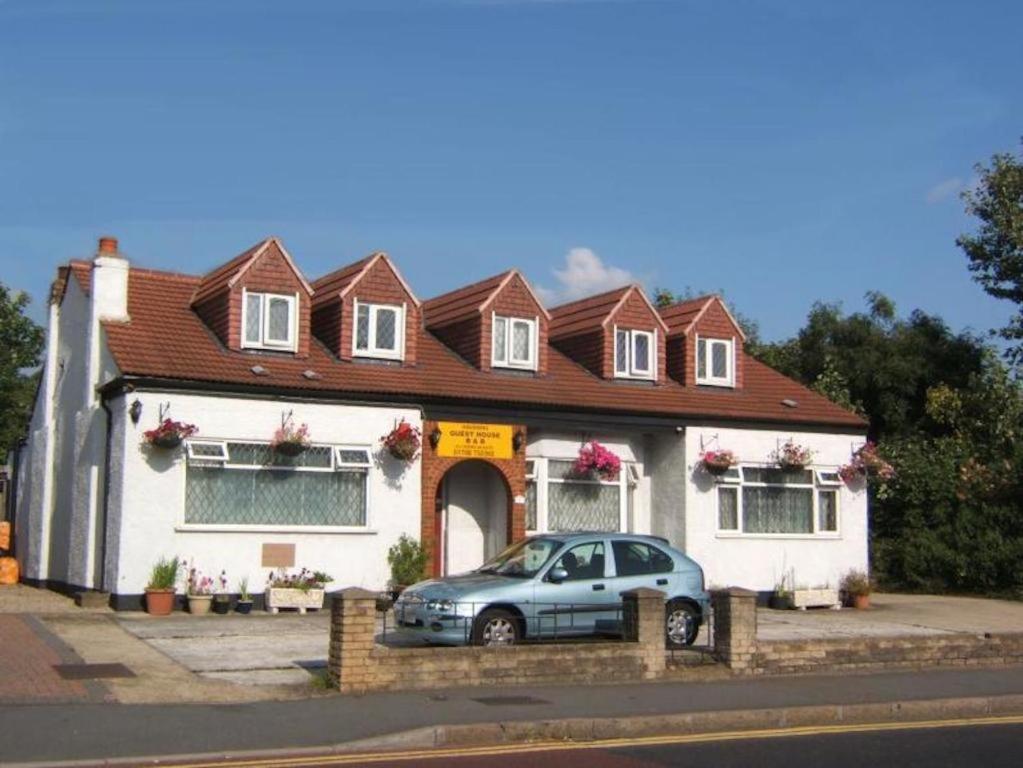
(100, 731)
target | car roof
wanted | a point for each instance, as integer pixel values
(569, 536)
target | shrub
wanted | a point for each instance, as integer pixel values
(164, 574)
(407, 558)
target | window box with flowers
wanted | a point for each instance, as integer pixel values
(302, 590)
(596, 461)
(169, 434)
(718, 462)
(290, 440)
(403, 442)
(792, 456)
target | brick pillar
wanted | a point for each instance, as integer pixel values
(643, 615)
(735, 627)
(352, 629)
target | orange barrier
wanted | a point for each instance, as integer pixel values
(5, 535)
(8, 570)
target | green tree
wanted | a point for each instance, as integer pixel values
(995, 251)
(21, 342)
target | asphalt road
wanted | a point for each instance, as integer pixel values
(948, 747)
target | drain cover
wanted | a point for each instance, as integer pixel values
(509, 701)
(92, 671)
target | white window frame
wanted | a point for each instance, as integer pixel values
(630, 371)
(816, 485)
(533, 476)
(398, 353)
(708, 378)
(528, 364)
(221, 444)
(336, 465)
(264, 341)
(542, 479)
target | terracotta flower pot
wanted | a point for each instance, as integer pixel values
(860, 602)
(159, 602)
(199, 605)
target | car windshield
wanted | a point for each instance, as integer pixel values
(522, 560)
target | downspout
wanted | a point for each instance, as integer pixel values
(107, 450)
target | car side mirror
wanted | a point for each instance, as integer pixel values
(557, 575)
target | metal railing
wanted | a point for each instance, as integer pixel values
(538, 623)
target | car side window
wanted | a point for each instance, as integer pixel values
(634, 558)
(584, 561)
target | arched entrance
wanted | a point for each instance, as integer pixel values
(473, 507)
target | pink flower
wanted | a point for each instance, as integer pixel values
(594, 458)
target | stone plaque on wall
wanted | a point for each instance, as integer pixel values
(278, 555)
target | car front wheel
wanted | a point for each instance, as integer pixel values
(681, 624)
(496, 627)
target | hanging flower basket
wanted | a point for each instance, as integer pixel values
(403, 442)
(866, 464)
(290, 440)
(595, 460)
(718, 462)
(169, 434)
(792, 456)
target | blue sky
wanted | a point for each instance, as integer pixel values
(783, 152)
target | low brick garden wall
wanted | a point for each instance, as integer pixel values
(875, 654)
(356, 664)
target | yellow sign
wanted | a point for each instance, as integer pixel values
(474, 441)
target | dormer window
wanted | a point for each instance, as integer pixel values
(715, 362)
(379, 331)
(269, 321)
(514, 342)
(635, 356)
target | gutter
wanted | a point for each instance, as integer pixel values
(454, 406)
(107, 450)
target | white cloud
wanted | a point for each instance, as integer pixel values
(584, 274)
(944, 190)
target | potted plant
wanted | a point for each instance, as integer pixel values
(781, 598)
(160, 590)
(791, 455)
(403, 442)
(718, 462)
(866, 464)
(856, 588)
(595, 460)
(244, 604)
(199, 590)
(222, 599)
(407, 558)
(290, 440)
(302, 590)
(169, 434)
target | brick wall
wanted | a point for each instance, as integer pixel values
(875, 654)
(586, 349)
(356, 664)
(434, 468)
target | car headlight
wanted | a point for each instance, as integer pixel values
(441, 606)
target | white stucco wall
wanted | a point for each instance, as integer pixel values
(152, 494)
(758, 561)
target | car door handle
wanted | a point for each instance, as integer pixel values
(661, 582)
(598, 587)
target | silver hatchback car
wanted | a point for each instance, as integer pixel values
(566, 584)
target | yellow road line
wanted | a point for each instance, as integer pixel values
(642, 741)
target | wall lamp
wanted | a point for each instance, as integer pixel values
(135, 411)
(518, 439)
(435, 437)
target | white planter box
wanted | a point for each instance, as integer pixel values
(815, 598)
(293, 598)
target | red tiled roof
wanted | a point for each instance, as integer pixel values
(338, 282)
(584, 314)
(681, 316)
(226, 274)
(165, 338)
(461, 303)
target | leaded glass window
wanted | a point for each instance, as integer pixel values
(513, 342)
(378, 330)
(258, 487)
(714, 362)
(634, 354)
(269, 320)
(575, 504)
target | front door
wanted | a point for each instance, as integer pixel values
(475, 514)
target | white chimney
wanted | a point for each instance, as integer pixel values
(109, 282)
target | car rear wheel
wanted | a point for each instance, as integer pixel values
(681, 624)
(496, 627)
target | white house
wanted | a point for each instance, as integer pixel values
(504, 391)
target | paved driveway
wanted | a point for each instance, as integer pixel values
(894, 616)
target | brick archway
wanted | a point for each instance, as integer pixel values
(512, 471)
